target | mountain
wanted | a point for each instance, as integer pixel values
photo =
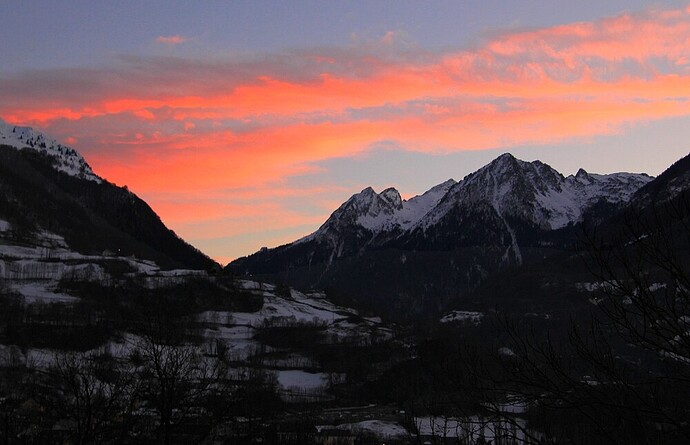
(48, 188)
(667, 186)
(439, 245)
(641, 245)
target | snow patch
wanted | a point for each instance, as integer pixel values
(296, 378)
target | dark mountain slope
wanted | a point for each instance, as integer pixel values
(92, 216)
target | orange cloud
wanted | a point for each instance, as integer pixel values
(199, 127)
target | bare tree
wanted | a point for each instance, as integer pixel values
(624, 376)
(93, 391)
(175, 378)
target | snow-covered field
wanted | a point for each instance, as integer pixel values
(34, 271)
(237, 329)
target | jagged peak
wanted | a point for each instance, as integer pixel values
(368, 197)
(504, 162)
(358, 199)
(506, 167)
(392, 196)
(507, 161)
(581, 173)
(583, 177)
(366, 202)
(506, 157)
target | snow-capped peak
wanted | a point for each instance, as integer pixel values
(513, 190)
(382, 212)
(367, 208)
(536, 193)
(67, 159)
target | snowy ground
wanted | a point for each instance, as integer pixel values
(236, 329)
(296, 378)
(34, 271)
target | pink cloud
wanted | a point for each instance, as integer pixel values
(171, 40)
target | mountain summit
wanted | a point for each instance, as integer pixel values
(534, 193)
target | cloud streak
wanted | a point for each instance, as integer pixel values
(199, 126)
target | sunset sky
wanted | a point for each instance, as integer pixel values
(246, 123)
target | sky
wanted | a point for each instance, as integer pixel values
(244, 124)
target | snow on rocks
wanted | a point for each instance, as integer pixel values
(463, 317)
(535, 192)
(67, 159)
(386, 211)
